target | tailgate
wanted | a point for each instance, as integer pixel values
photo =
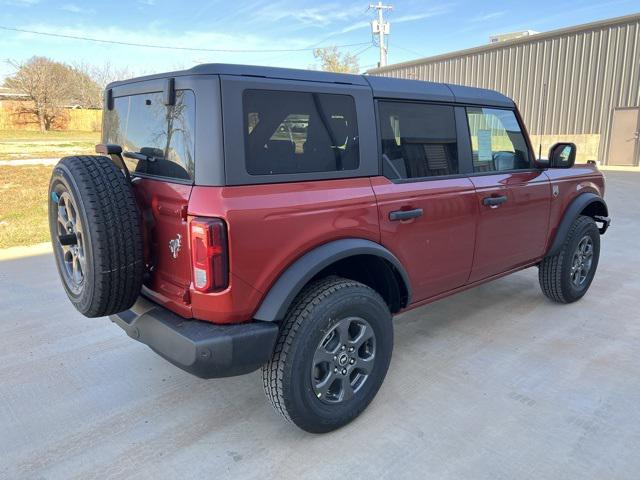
(167, 254)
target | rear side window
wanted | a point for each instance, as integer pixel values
(497, 142)
(299, 132)
(418, 140)
(156, 139)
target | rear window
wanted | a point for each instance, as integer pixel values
(156, 139)
(299, 132)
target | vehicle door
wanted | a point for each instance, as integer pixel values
(426, 206)
(512, 195)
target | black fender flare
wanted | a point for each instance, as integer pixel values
(572, 212)
(275, 304)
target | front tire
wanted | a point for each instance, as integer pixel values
(332, 355)
(566, 276)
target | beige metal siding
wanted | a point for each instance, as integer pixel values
(589, 70)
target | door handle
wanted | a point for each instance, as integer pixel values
(494, 202)
(405, 214)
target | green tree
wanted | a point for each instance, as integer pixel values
(331, 60)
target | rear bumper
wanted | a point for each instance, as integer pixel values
(200, 348)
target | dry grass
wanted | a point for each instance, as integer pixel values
(24, 144)
(23, 210)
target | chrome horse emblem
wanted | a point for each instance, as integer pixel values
(174, 246)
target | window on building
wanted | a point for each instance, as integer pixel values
(156, 139)
(418, 140)
(497, 142)
(299, 132)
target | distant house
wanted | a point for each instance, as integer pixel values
(7, 94)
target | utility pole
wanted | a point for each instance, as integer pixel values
(381, 27)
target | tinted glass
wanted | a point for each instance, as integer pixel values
(156, 139)
(299, 132)
(418, 140)
(497, 141)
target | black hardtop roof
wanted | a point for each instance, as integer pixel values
(382, 87)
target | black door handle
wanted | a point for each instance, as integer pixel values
(405, 214)
(494, 201)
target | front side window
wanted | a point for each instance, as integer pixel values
(156, 139)
(418, 140)
(299, 132)
(497, 142)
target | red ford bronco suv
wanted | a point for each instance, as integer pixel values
(242, 217)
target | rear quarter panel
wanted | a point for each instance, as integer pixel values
(569, 183)
(271, 225)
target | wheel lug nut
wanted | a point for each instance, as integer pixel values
(352, 361)
(335, 370)
(342, 348)
(335, 357)
(351, 349)
(344, 371)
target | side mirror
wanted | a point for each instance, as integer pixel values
(562, 155)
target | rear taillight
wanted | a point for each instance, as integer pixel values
(209, 254)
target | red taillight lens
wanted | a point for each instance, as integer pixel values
(209, 254)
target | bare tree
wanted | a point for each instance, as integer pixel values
(105, 73)
(51, 86)
(331, 60)
(85, 90)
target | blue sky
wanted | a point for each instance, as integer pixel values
(418, 28)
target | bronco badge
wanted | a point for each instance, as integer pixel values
(174, 246)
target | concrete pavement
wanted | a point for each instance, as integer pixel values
(494, 383)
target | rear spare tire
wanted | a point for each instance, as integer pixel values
(96, 235)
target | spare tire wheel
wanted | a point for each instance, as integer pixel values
(96, 235)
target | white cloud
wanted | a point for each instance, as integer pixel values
(22, 3)
(488, 16)
(71, 7)
(320, 16)
(411, 17)
(158, 36)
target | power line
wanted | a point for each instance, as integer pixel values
(169, 47)
(360, 52)
(421, 55)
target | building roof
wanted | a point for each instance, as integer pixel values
(382, 87)
(7, 93)
(516, 41)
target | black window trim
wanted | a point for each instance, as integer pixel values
(128, 93)
(532, 164)
(233, 128)
(462, 153)
(246, 136)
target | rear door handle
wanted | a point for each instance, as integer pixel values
(405, 214)
(494, 202)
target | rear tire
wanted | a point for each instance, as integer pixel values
(566, 277)
(332, 355)
(96, 235)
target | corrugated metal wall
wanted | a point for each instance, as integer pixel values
(564, 82)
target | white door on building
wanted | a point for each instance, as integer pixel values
(625, 137)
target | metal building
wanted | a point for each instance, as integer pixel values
(578, 84)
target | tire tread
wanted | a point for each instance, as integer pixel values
(116, 233)
(551, 268)
(273, 372)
